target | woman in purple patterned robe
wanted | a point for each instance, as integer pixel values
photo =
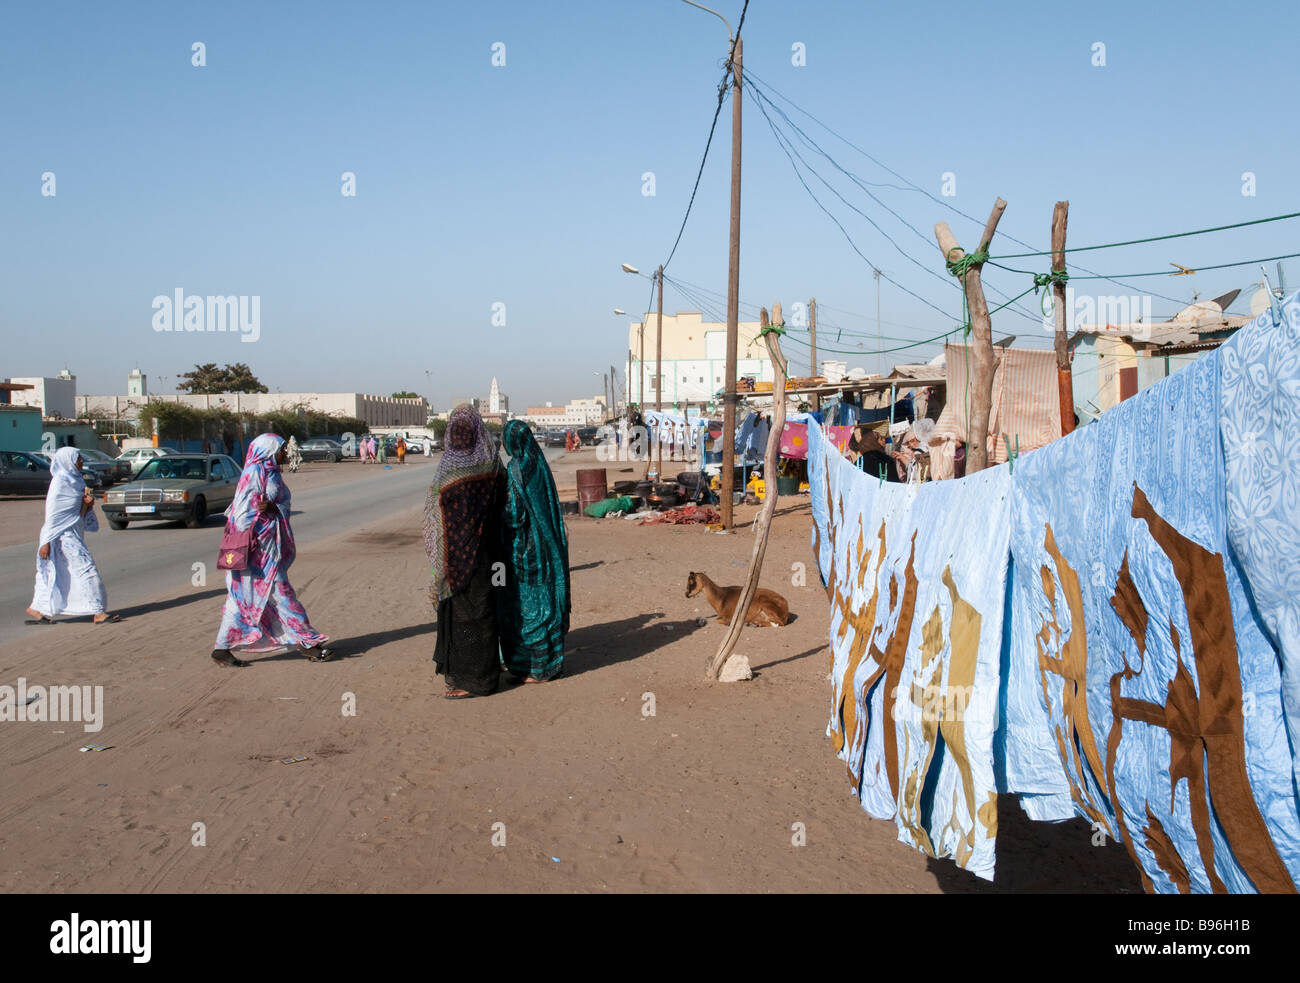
(262, 612)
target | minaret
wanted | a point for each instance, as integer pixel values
(494, 397)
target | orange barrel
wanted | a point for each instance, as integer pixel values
(591, 487)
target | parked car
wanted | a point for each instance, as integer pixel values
(415, 445)
(189, 487)
(321, 449)
(121, 469)
(589, 435)
(92, 478)
(554, 438)
(138, 457)
(23, 474)
(92, 462)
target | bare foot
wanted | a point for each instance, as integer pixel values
(34, 613)
(101, 618)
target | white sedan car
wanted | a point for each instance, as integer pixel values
(140, 456)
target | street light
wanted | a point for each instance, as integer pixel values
(629, 268)
(619, 311)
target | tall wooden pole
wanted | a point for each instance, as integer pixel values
(659, 371)
(812, 327)
(613, 393)
(640, 399)
(733, 304)
(1064, 377)
(981, 397)
(763, 523)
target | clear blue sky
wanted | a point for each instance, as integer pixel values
(522, 184)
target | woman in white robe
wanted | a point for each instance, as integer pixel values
(67, 581)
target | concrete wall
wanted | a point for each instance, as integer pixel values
(694, 349)
(54, 397)
(20, 428)
(374, 410)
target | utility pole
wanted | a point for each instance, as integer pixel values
(880, 343)
(659, 372)
(812, 326)
(640, 402)
(981, 401)
(733, 304)
(1064, 378)
(613, 393)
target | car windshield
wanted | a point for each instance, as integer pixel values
(193, 468)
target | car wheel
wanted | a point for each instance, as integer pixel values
(332, 459)
(117, 524)
(197, 514)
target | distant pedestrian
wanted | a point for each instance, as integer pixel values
(428, 446)
(461, 516)
(67, 580)
(401, 450)
(294, 454)
(262, 611)
(381, 451)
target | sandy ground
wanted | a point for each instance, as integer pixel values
(594, 794)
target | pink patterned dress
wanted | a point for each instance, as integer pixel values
(262, 611)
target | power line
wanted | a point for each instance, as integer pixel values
(1194, 269)
(920, 190)
(722, 92)
(1173, 235)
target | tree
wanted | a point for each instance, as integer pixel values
(406, 394)
(207, 379)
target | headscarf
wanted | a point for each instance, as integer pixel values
(64, 498)
(261, 478)
(537, 543)
(460, 502)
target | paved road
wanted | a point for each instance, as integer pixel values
(144, 562)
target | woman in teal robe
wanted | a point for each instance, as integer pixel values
(533, 605)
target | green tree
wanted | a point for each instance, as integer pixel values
(208, 379)
(406, 394)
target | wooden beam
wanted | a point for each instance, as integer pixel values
(981, 401)
(764, 521)
(1064, 377)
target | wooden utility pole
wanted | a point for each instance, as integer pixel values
(659, 372)
(733, 304)
(812, 327)
(1064, 377)
(763, 523)
(981, 400)
(640, 399)
(613, 393)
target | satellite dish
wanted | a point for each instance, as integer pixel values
(1259, 302)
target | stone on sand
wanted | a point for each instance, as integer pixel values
(736, 668)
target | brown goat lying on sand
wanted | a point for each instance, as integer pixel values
(767, 609)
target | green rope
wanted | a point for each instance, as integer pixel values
(1175, 235)
(1046, 280)
(772, 329)
(1130, 276)
(959, 267)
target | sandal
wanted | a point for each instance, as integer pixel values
(42, 620)
(112, 619)
(458, 694)
(224, 657)
(318, 653)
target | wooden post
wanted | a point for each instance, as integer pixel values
(764, 520)
(981, 402)
(733, 302)
(659, 372)
(812, 323)
(1064, 377)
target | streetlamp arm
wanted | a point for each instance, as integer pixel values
(713, 12)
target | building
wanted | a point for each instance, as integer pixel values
(53, 397)
(694, 358)
(498, 402)
(379, 411)
(1111, 362)
(137, 385)
(575, 413)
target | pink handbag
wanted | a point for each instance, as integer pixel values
(235, 547)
